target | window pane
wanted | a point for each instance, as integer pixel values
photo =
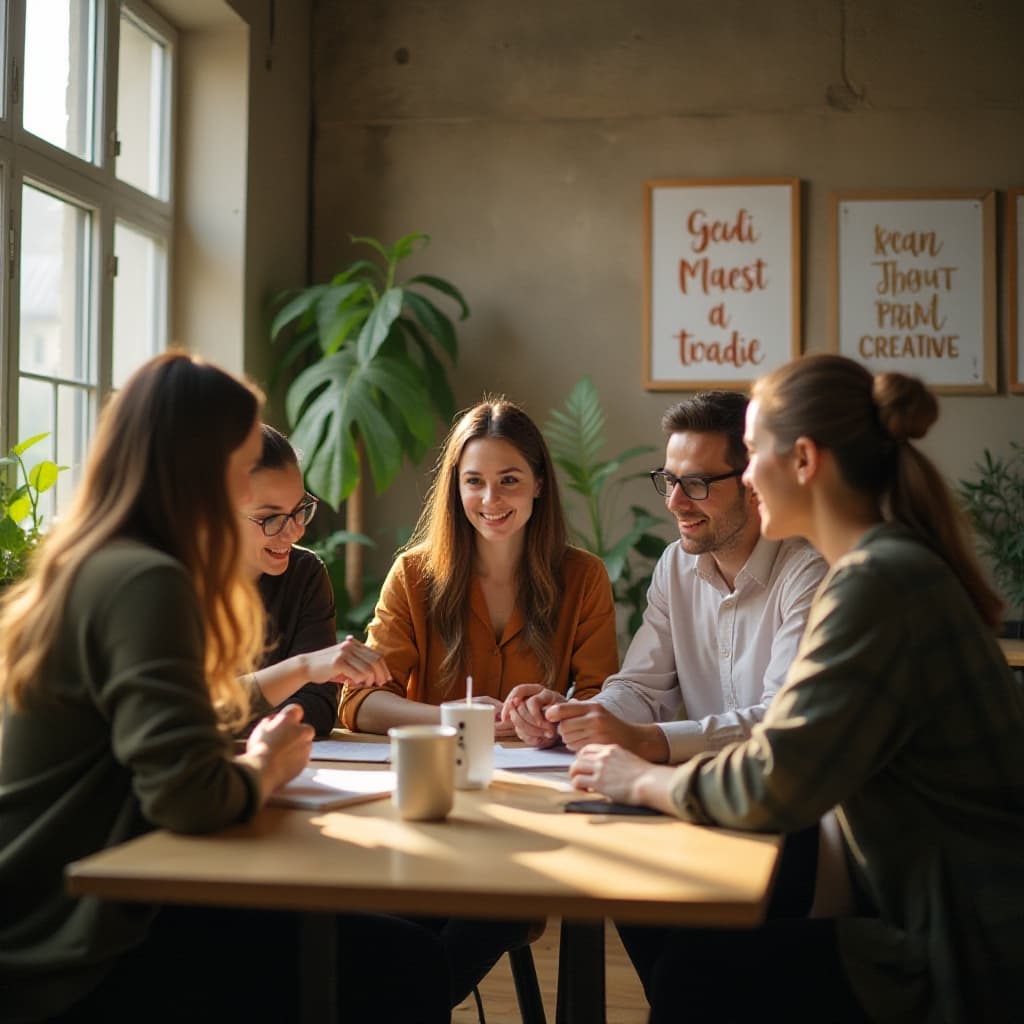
(60, 73)
(141, 106)
(36, 415)
(140, 307)
(65, 413)
(55, 273)
(75, 416)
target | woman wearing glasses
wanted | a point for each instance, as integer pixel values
(302, 663)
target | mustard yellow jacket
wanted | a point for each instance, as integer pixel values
(583, 643)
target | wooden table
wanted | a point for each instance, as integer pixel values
(508, 851)
(1014, 651)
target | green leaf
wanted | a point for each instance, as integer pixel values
(334, 311)
(295, 308)
(433, 371)
(378, 324)
(446, 287)
(372, 243)
(43, 475)
(434, 322)
(406, 246)
(363, 268)
(332, 401)
(12, 540)
(22, 447)
(20, 508)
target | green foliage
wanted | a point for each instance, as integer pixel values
(995, 505)
(376, 375)
(21, 522)
(576, 437)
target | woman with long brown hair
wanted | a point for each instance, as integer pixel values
(899, 712)
(120, 685)
(488, 586)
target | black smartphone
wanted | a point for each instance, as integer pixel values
(606, 807)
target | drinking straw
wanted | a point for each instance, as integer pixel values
(469, 689)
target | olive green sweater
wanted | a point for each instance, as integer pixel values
(121, 739)
(900, 712)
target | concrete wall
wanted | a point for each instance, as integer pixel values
(210, 219)
(520, 136)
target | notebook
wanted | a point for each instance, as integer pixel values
(319, 789)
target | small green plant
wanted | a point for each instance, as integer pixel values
(21, 521)
(576, 436)
(995, 505)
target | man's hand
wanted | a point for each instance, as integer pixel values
(524, 710)
(623, 777)
(583, 722)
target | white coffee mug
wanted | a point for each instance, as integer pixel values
(423, 757)
(474, 742)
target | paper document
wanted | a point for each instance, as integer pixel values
(529, 759)
(323, 788)
(350, 750)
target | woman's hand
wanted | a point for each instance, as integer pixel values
(350, 662)
(623, 776)
(524, 710)
(502, 730)
(279, 748)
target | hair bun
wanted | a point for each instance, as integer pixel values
(906, 408)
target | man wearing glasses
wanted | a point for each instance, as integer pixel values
(725, 613)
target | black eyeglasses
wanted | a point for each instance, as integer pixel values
(302, 516)
(696, 488)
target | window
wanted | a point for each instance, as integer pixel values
(85, 176)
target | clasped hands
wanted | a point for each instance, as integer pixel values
(542, 717)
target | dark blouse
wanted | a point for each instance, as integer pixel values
(300, 619)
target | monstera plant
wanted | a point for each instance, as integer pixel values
(377, 382)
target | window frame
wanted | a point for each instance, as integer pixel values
(26, 158)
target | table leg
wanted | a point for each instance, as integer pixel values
(318, 969)
(581, 973)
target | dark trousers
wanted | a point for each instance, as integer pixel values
(789, 969)
(473, 946)
(203, 965)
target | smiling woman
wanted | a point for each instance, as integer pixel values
(488, 586)
(303, 664)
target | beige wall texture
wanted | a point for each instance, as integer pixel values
(520, 135)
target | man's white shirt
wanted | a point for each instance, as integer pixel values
(706, 661)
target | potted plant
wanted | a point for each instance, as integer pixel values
(21, 521)
(576, 437)
(377, 383)
(995, 506)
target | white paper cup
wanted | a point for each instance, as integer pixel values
(474, 742)
(423, 757)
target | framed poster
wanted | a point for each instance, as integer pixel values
(721, 281)
(1015, 282)
(914, 285)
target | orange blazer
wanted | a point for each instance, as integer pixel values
(584, 642)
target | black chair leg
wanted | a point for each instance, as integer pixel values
(524, 975)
